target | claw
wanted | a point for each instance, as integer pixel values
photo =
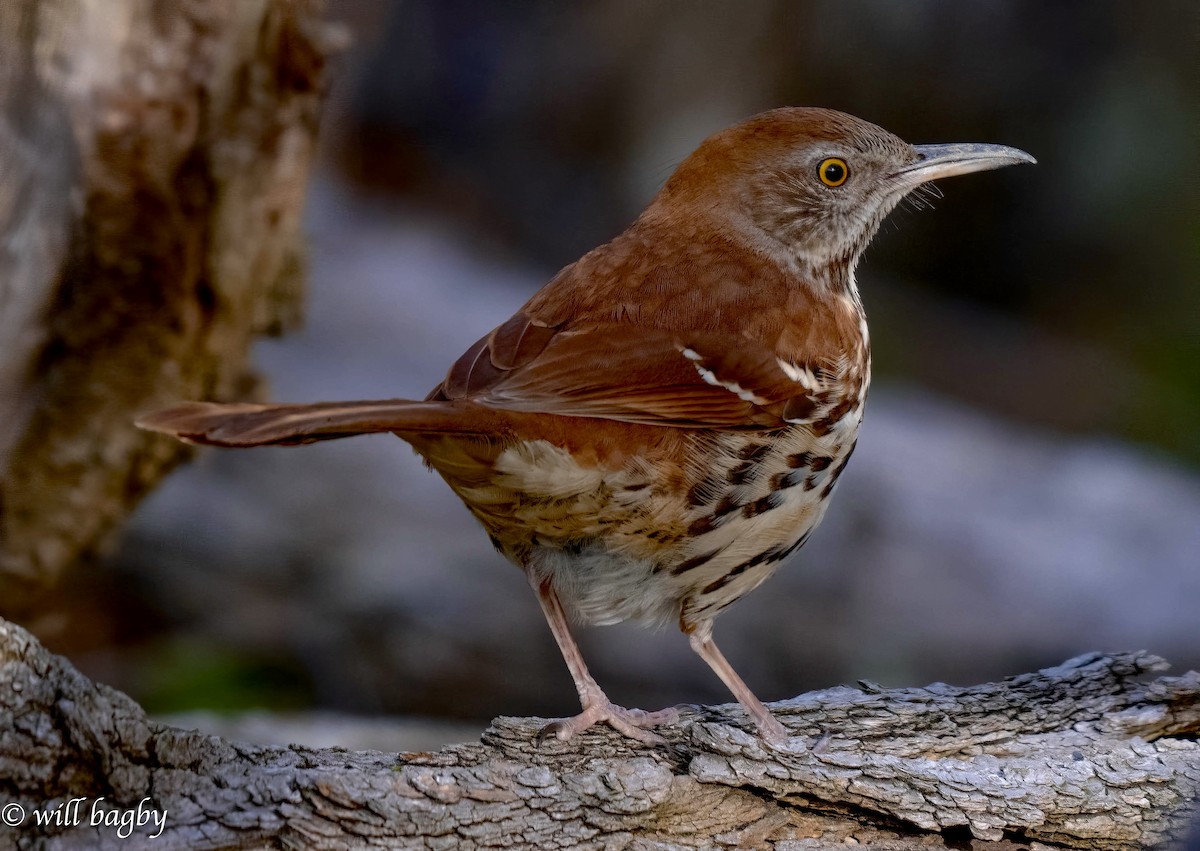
(596, 705)
(771, 731)
(629, 722)
(550, 731)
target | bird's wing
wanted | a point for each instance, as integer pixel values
(635, 373)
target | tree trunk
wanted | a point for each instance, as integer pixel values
(1085, 755)
(153, 163)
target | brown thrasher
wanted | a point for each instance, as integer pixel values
(662, 424)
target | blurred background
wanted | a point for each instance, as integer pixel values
(1026, 486)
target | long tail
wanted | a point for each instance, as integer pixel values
(285, 425)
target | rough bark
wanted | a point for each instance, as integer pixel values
(1084, 755)
(153, 162)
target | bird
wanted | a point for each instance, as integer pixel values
(662, 424)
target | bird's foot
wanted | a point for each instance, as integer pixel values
(634, 723)
(771, 730)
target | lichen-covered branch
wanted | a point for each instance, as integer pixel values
(1090, 754)
(153, 164)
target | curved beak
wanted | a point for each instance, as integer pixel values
(936, 161)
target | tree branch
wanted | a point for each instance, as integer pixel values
(1084, 755)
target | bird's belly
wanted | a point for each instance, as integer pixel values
(599, 532)
(754, 508)
(601, 585)
(631, 543)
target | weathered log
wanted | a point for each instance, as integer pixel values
(1088, 754)
(153, 165)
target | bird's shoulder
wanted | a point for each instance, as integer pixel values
(690, 326)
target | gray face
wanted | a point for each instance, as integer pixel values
(825, 199)
(816, 183)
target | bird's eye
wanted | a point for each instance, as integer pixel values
(833, 171)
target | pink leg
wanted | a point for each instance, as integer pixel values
(596, 705)
(768, 725)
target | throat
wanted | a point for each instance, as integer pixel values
(836, 276)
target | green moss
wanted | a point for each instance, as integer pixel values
(184, 674)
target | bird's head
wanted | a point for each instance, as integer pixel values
(815, 184)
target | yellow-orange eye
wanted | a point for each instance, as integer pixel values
(833, 171)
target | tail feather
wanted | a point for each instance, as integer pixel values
(243, 424)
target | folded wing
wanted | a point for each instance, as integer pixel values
(631, 373)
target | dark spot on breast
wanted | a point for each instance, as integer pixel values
(727, 505)
(765, 557)
(728, 577)
(722, 606)
(821, 463)
(703, 492)
(836, 473)
(754, 452)
(762, 505)
(836, 414)
(694, 561)
(810, 483)
(638, 486)
(721, 513)
(742, 473)
(780, 553)
(799, 459)
(772, 555)
(822, 427)
(717, 584)
(749, 563)
(783, 481)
